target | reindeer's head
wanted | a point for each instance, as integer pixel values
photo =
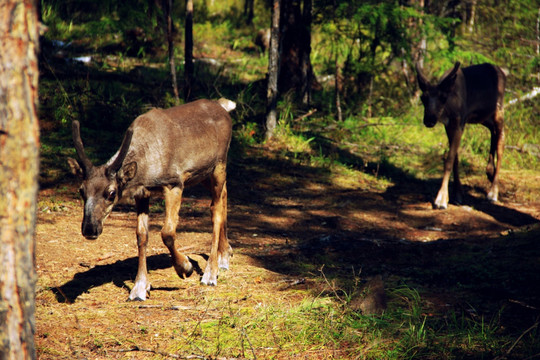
(102, 185)
(435, 97)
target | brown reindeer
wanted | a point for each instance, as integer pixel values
(470, 95)
(170, 150)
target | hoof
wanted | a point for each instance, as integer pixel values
(207, 280)
(224, 259)
(440, 206)
(184, 270)
(139, 292)
(493, 196)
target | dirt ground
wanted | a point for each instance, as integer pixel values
(285, 222)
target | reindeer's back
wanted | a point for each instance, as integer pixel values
(182, 144)
(485, 85)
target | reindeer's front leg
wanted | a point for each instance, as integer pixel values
(173, 200)
(141, 286)
(497, 146)
(453, 131)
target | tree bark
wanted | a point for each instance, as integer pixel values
(273, 71)
(307, 71)
(295, 37)
(188, 51)
(417, 49)
(248, 11)
(172, 65)
(19, 142)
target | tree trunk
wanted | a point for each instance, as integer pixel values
(19, 142)
(172, 65)
(295, 65)
(248, 11)
(273, 71)
(471, 14)
(188, 51)
(417, 50)
(338, 89)
(307, 71)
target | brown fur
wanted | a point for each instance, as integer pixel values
(168, 149)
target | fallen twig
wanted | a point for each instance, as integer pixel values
(158, 352)
(535, 325)
(309, 113)
(249, 342)
(172, 307)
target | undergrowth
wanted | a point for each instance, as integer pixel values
(326, 327)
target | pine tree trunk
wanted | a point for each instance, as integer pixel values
(296, 71)
(307, 71)
(19, 141)
(248, 11)
(273, 71)
(172, 65)
(188, 51)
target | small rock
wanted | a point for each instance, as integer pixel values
(371, 299)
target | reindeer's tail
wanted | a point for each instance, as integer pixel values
(227, 104)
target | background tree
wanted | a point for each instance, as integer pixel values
(168, 4)
(273, 71)
(296, 71)
(188, 51)
(19, 139)
(248, 11)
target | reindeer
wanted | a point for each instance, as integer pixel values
(170, 150)
(471, 95)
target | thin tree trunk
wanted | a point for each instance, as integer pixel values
(339, 85)
(19, 142)
(307, 72)
(172, 65)
(472, 15)
(188, 51)
(248, 11)
(273, 71)
(418, 50)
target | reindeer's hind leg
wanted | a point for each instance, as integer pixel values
(224, 249)
(496, 127)
(221, 250)
(173, 200)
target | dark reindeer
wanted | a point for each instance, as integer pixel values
(168, 149)
(470, 95)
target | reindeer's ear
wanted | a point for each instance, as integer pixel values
(127, 172)
(75, 167)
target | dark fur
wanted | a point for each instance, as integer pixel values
(473, 95)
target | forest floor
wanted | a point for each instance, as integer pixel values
(296, 235)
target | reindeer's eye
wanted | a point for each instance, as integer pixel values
(111, 195)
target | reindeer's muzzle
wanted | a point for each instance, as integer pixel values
(91, 226)
(430, 121)
(91, 231)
